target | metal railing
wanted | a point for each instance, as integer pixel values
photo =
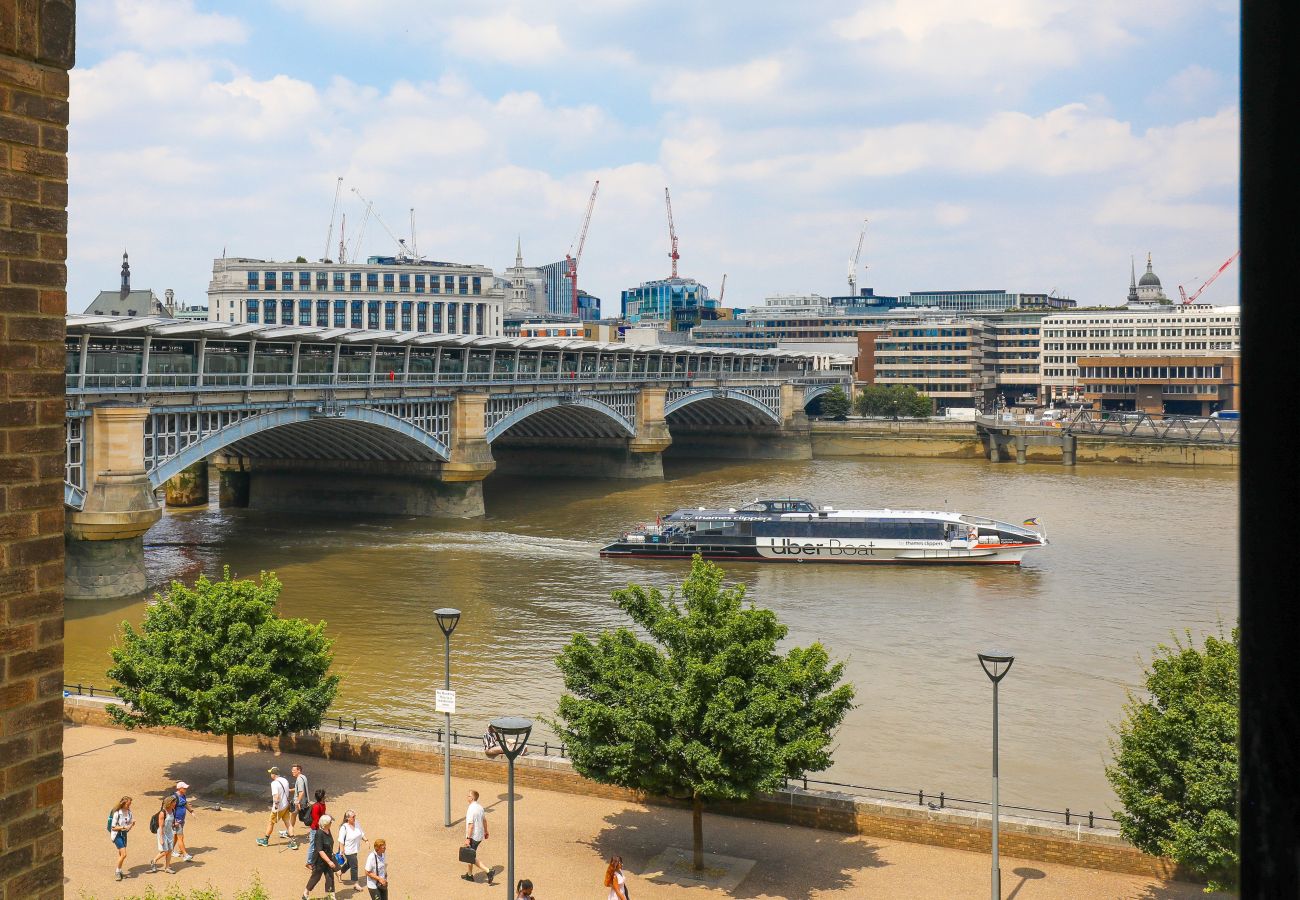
(1165, 428)
(930, 800)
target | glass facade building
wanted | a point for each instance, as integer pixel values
(674, 304)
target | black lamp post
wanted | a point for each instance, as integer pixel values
(512, 734)
(448, 619)
(996, 664)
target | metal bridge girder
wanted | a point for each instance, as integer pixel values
(686, 399)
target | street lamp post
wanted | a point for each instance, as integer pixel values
(996, 665)
(448, 619)
(512, 734)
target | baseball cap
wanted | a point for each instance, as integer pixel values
(274, 770)
(180, 785)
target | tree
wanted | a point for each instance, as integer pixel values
(893, 400)
(301, 259)
(835, 403)
(705, 710)
(216, 659)
(1175, 768)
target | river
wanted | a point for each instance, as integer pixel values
(1137, 556)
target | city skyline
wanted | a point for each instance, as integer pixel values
(1027, 147)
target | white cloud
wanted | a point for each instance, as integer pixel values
(159, 23)
(505, 38)
(1188, 87)
(950, 215)
(751, 82)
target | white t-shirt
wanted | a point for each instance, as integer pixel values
(279, 793)
(378, 865)
(474, 821)
(619, 880)
(122, 819)
(350, 837)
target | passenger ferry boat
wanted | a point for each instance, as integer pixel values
(790, 530)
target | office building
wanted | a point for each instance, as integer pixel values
(417, 295)
(673, 304)
(1172, 384)
(949, 360)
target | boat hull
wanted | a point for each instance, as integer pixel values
(943, 556)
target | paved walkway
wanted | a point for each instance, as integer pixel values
(561, 839)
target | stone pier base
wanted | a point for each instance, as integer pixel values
(189, 487)
(593, 460)
(97, 570)
(743, 443)
(232, 490)
(342, 487)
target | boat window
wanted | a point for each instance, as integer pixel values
(801, 506)
(755, 507)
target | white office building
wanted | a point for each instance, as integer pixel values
(384, 293)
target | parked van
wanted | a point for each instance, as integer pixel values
(1226, 414)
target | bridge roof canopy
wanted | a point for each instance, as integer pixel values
(158, 326)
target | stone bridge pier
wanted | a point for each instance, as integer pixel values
(104, 539)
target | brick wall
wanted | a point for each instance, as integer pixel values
(36, 52)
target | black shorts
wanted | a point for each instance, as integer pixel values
(473, 844)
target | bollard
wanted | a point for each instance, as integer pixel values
(78, 688)
(1067, 815)
(920, 798)
(1089, 818)
(546, 749)
(92, 690)
(354, 723)
(941, 799)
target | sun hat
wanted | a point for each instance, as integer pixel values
(180, 785)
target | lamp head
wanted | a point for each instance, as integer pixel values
(512, 733)
(996, 663)
(447, 619)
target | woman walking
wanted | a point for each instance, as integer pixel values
(524, 890)
(350, 838)
(323, 863)
(377, 870)
(166, 819)
(119, 823)
(615, 880)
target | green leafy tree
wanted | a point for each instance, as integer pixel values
(1176, 767)
(707, 709)
(901, 400)
(835, 403)
(215, 658)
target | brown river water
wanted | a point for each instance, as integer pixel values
(1137, 556)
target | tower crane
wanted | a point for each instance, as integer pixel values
(401, 244)
(575, 250)
(853, 263)
(329, 235)
(723, 292)
(672, 231)
(361, 231)
(1187, 301)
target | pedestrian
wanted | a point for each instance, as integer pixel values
(301, 796)
(165, 820)
(350, 838)
(476, 832)
(120, 821)
(615, 880)
(524, 890)
(182, 815)
(317, 810)
(377, 870)
(281, 814)
(323, 862)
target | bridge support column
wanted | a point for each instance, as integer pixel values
(470, 458)
(646, 450)
(995, 447)
(1067, 449)
(1022, 444)
(189, 487)
(233, 485)
(105, 538)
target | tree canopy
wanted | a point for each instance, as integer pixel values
(707, 708)
(1176, 765)
(901, 400)
(215, 658)
(835, 403)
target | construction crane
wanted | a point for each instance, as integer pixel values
(401, 244)
(356, 241)
(853, 263)
(672, 231)
(575, 255)
(1187, 301)
(723, 292)
(329, 235)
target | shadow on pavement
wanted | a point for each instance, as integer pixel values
(792, 862)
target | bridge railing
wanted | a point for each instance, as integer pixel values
(1165, 428)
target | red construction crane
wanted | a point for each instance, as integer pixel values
(672, 231)
(1209, 281)
(573, 256)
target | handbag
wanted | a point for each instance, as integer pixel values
(468, 855)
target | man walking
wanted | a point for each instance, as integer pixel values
(182, 814)
(281, 814)
(476, 832)
(301, 794)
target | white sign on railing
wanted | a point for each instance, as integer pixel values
(444, 702)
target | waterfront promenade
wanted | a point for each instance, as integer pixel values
(561, 839)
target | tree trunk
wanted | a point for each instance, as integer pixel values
(697, 827)
(230, 764)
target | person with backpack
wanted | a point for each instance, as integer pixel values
(301, 796)
(120, 821)
(163, 824)
(280, 812)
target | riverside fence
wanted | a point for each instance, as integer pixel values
(924, 799)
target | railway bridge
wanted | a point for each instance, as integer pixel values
(349, 420)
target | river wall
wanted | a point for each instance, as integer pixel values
(961, 440)
(1093, 848)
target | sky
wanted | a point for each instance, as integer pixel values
(1029, 145)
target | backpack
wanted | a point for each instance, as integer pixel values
(110, 822)
(304, 816)
(153, 823)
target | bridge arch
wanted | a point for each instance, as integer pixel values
(724, 406)
(813, 391)
(349, 432)
(563, 416)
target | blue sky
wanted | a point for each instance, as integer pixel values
(1021, 145)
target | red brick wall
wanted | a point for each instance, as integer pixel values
(36, 52)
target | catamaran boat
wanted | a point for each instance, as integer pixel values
(790, 530)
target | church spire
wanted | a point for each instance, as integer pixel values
(519, 252)
(1149, 272)
(126, 276)
(1132, 281)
